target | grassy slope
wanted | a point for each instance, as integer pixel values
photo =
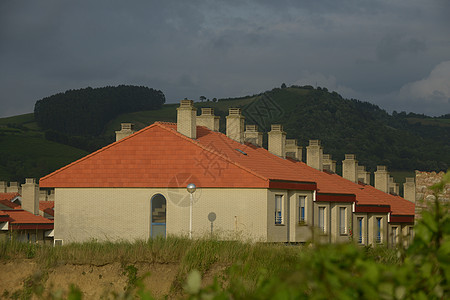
(430, 121)
(243, 265)
(24, 152)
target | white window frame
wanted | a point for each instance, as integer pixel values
(279, 209)
(360, 226)
(379, 230)
(58, 242)
(394, 235)
(343, 220)
(321, 219)
(301, 209)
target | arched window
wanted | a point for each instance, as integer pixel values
(158, 216)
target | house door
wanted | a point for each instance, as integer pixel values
(158, 216)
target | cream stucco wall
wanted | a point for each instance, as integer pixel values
(124, 213)
(290, 230)
(364, 228)
(300, 231)
(372, 228)
(240, 213)
(336, 235)
(277, 233)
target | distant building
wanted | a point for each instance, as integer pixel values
(135, 188)
(22, 215)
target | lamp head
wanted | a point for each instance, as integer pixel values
(191, 188)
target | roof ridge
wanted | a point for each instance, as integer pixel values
(212, 151)
(96, 152)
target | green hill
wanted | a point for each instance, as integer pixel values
(403, 142)
(24, 151)
(343, 126)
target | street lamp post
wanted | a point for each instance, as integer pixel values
(191, 189)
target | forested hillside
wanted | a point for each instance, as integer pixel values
(400, 141)
(352, 126)
(84, 121)
(85, 112)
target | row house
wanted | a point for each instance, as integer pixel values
(135, 188)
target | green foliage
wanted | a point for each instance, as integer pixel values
(85, 112)
(131, 272)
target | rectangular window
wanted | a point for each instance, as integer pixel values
(278, 209)
(394, 235)
(322, 219)
(379, 230)
(360, 230)
(342, 220)
(301, 209)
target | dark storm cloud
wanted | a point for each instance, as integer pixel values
(393, 45)
(371, 50)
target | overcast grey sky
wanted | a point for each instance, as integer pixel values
(394, 53)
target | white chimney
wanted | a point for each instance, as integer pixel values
(314, 155)
(186, 119)
(393, 186)
(382, 179)
(277, 141)
(208, 119)
(30, 196)
(235, 125)
(363, 175)
(293, 150)
(251, 135)
(13, 187)
(409, 189)
(350, 168)
(125, 130)
(328, 163)
(3, 186)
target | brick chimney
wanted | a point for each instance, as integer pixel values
(235, 125)
(363, 175)
(409, 189)
(30, 196)
(277, 141)
(350, 168)
(382, 179)
(251, 135)
(293, 150)
(186, 119)
(208, 119)
(125, 130)
(314, 155)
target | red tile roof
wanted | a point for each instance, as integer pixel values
(47, 207)
(4, 217)
(6, 198)
(21, 219)
(159, 156)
